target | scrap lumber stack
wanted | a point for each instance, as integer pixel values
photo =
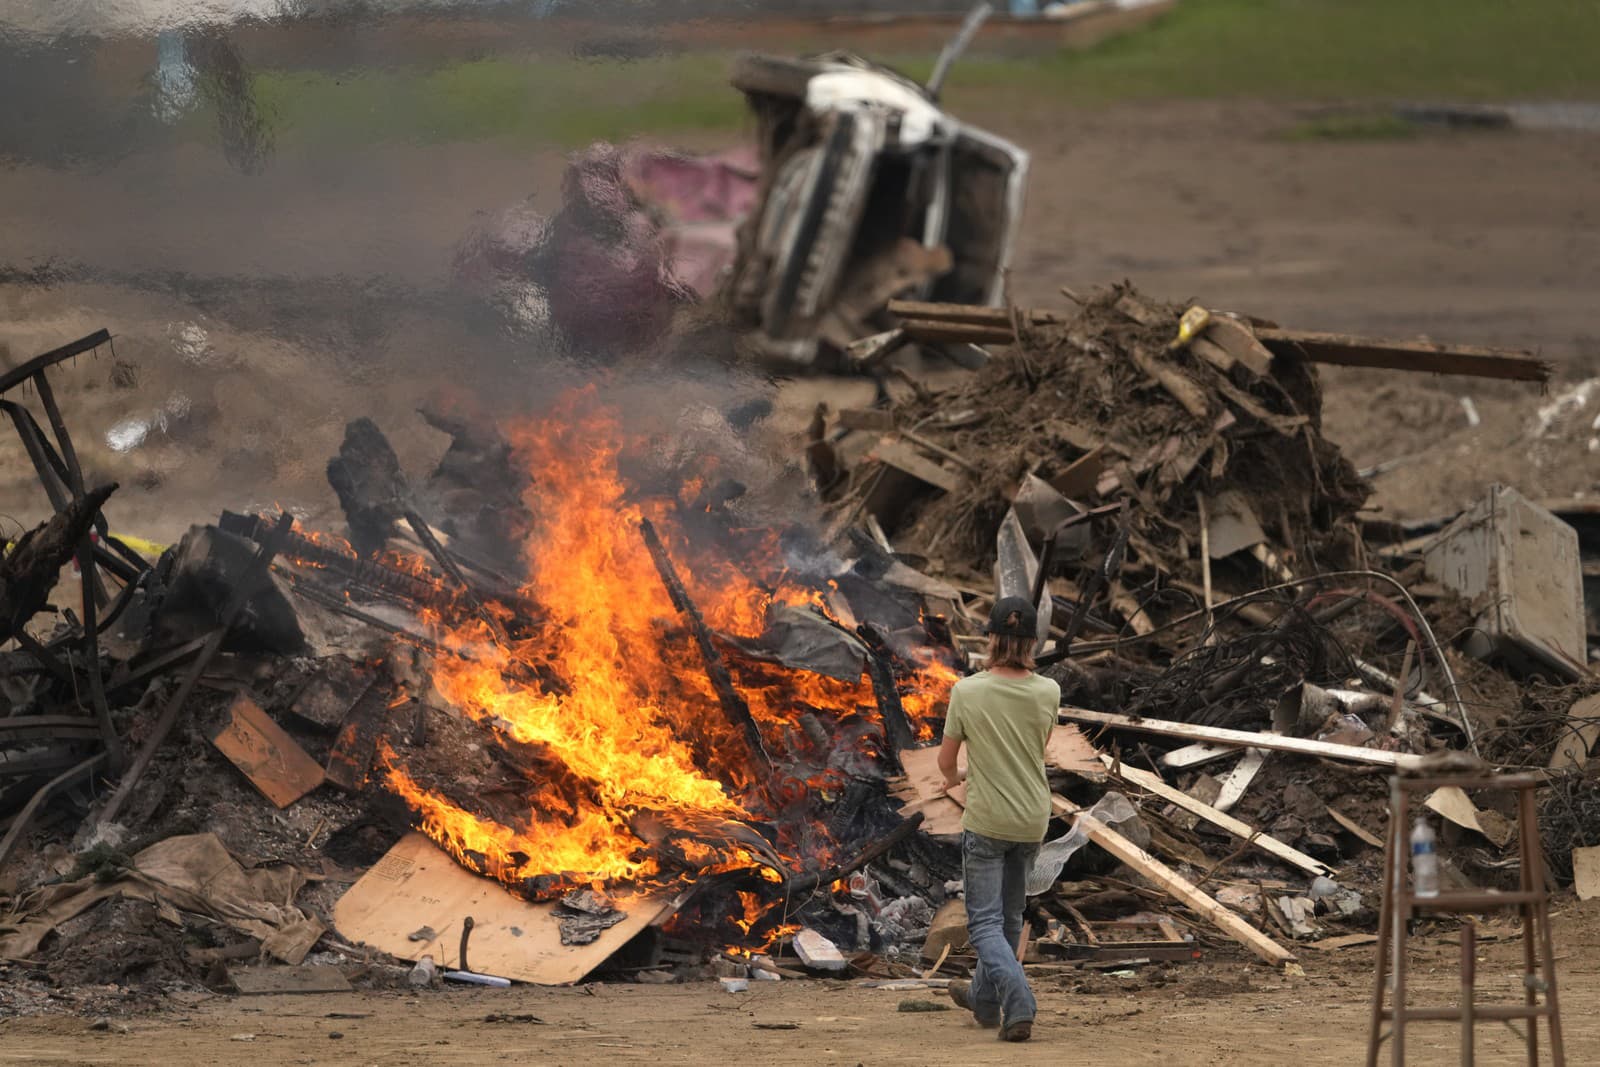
(1096, 405)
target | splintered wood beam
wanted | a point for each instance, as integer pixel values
(1422, 356)
(971, 313)
(1300, 746)
(923, 321)
(1174, 885)
(1152, 783)
(733, 705)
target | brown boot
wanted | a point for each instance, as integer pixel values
(1021, 1030)
(961, 993)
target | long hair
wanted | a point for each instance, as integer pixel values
(1015, 652)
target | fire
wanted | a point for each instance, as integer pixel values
(612, 689)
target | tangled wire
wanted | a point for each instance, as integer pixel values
(1569, 818)
(1230, 683)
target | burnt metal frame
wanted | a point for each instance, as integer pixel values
(61, 477)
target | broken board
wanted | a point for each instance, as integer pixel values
(269, 757)
(309, 978)
(416, 884)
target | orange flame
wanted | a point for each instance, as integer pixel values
(611, 688)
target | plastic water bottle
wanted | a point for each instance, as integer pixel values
(1424, 861)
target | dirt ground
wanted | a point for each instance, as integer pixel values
(1485, 237)
(1219, 1011)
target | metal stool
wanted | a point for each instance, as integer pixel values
(1400, 903)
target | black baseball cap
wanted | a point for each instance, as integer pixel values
(1013, 617)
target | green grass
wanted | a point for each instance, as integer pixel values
(1333, 49)
(1301, 50)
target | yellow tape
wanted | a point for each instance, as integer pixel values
(138, 544)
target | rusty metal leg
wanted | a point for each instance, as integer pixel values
(1535, 876)
(1381, 966)
(1401, 916)
(1527, 847)
(1469, 966)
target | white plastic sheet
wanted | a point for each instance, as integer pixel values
(1053, 855)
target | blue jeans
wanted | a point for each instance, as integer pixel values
(995, 874)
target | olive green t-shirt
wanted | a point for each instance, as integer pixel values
(1005, 723)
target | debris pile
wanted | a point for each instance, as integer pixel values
(1217, 607)
(690, 745)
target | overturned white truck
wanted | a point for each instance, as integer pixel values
(869, 191)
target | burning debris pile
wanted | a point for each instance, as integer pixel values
(564, 660)
(562, 707)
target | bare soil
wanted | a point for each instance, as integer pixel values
(1489, 238)
(1218, 1011)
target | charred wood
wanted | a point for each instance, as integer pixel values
(733, 705)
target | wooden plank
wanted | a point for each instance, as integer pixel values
(975, 314)
(1332, 944)
(987, 325)
(307, 978)
(1181, 759)
(1300, 746)
(903, 457)
(1236, 781)
(1421, 356)
(1579, 737)
(416, 884)
(269, 757)
(1353, 827)
(1175, 886)
(1244, 831)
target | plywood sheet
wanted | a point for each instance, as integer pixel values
(416, 884)
(269, 757)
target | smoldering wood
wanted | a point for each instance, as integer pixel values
(373, 491)
(350, 759)
(733, 705)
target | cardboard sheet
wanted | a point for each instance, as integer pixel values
(417, 884)
(922, 788)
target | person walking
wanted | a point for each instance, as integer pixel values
(1003, 715)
